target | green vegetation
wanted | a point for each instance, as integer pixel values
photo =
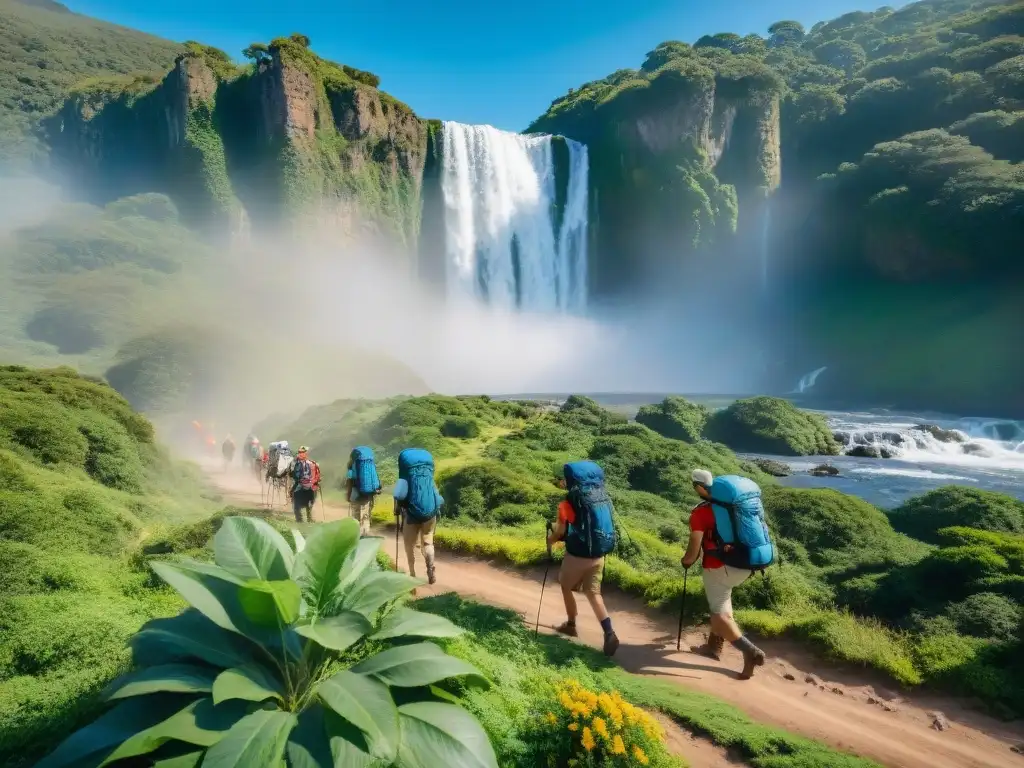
(850, 585)
(287, 653)
(771, 425)
(81, 482)
(675, 417)
(46, 50)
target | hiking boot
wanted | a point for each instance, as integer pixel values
(567, 628)
(611, 643)
(431, 575)
(751, 660)
(712, 649)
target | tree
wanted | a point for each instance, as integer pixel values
(728, 41)
(299, 39)
(664, 53)
(785, 33)
(257, 52)
(287, 658)
(841, 54)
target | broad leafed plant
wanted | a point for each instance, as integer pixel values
(302, 656)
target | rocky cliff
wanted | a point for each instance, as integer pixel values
(289, 137)
(683, 156)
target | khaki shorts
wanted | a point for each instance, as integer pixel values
(577, 572)
(719, 584)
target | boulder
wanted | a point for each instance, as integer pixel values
(943, 435)
(825, 470)
(772, 467)
(871, 452)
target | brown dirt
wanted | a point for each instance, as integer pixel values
(836, 709)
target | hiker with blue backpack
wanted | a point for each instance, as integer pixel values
(362, 485)
(586, 524)
(729, 525)
(417, 506)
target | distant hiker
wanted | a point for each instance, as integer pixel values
(278, 459)
(255, 454)
(228, 450)
(586, 524)
(417, 505)
(730, 526)
(305, 484)
(362, 486)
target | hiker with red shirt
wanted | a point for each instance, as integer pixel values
(719, 582)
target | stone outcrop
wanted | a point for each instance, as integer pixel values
(288, 138)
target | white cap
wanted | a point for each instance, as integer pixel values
(702, 477)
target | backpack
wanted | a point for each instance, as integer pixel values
(592, 533)
(422, 501)
(306, 474)
(365, 479)
(741, 533)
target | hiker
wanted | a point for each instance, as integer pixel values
(417, 505)
(586, 525)
(305, 483)
(228, 450)
(362, 484)
(729, 503)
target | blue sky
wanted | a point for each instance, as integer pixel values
(454, 60)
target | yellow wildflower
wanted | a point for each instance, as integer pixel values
(618, 747)
(573, 727)
(588, 739)
(641, 756)
(551, 718)
(600, 727)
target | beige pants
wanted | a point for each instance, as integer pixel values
(718, 586)
(423, 532)
(362, 510)
(581, 573)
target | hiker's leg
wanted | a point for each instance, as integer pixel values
(297, 506)
(427, 539)
(568, 579)
(364, 519)
(718, 590)
(410, 532)
(592, 589)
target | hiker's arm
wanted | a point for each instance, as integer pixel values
(557, 532)
(693, 548)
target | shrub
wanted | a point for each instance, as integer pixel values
(954, 505)
(460, 426)
(476, 492)
(587, 729)
(986, 615)
(242, 677)
(771, 425)
(676, 418)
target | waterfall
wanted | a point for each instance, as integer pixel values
(766, 221)
(501, 246)
(807, 380)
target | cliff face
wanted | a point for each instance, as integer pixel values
(682, 162)
(290, 138)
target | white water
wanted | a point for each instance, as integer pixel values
(807, 380)
(499, 193)
(766, 222)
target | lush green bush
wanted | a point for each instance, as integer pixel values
(492, 494)
(986, 615)
(460, 426)
(676, 418)
(954, 505)
(771, 425)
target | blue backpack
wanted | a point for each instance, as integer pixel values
(741, 533)
(364, 471)
(592, 533)
(422, 501)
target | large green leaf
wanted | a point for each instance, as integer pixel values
(249, 683)
(96, 740)
(270, 603)
(357, 562)
(250, 548)
(318, 566)
(374, 589)
(188, 760)
(200, 723)
(189, 635)
(349, 747)
(169, 678)
(308, 745)
(405, 622)
(212, 593)
(435, 734)
(258, 739)
(367, 704)
(409, 666)
(337, 633)
(299, 539)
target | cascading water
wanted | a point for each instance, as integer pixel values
(807, 380)
(501, 245)
(766, 223)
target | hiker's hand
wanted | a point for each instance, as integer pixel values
(686, 565)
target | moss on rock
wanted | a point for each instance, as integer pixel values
(924, 516)
(771, 425)
(675, 417)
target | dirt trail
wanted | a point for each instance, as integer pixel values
(849, 711)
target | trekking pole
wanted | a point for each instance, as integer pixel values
(323, 513)
(544, 583)
(682, 610)
(398, 530)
